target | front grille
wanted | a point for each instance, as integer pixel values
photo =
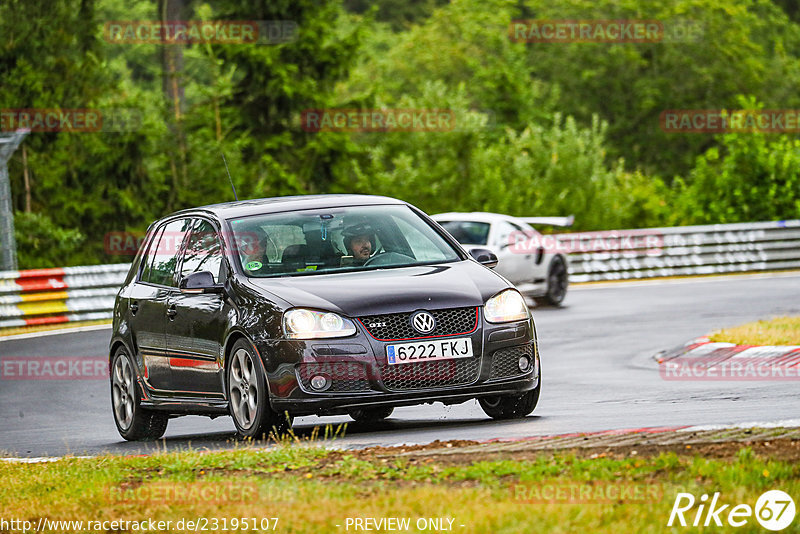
(398, 325)
(435, 374)
(344, 376)
(505, 361)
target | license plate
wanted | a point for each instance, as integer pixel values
(425, 351)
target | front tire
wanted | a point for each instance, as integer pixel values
(134, 423)
(557, 282)
(371, 415)
(248, 396)
(514, 407)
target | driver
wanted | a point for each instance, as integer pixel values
(253, 248)
(359, 239)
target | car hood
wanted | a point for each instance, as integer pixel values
(449, 285)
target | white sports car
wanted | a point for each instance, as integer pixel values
(537, 272)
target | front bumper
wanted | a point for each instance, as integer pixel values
(361, 376)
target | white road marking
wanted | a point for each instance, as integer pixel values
(40, 459)
(786, 423)
(30, 335)
(688, 280)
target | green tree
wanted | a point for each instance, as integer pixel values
(544, 169)
(747, 47)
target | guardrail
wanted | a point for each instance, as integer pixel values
(51, 296)
(682, 250)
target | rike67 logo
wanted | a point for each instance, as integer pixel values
(774, 510)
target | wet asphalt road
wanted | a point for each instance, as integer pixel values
(597, 375)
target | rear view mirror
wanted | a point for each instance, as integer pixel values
(484, 257)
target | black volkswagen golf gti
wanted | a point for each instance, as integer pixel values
(333, 304)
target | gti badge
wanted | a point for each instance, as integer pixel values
(423, 322)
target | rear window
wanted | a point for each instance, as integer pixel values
(468, 232)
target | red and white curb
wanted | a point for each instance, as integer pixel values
(701, 359)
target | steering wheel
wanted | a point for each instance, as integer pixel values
(388, 258)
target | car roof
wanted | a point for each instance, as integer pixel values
(476, 216)
(243, 208)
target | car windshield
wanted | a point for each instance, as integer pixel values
(338, 239)
(468, 232)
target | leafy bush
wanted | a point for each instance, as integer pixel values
(42, 243)
(750, 177)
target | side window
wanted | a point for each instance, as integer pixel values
(504, 233)
(518, 234)
(149, 255)
(422, 247)
(165, 253)
(203, 251)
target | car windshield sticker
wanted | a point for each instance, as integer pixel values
(253, 265)
(309, 268)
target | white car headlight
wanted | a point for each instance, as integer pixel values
(300, 323)
(508, 305)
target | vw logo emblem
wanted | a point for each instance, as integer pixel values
(423, 322)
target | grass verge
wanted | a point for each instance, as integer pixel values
(310, 489)
(777, 331)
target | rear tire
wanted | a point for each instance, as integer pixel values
(514, 407)
(371, 415)
(248, 396)
(134, 423)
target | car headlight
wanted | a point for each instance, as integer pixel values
(506, 306)
(300, 323)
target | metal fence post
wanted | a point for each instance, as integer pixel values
(8, 244)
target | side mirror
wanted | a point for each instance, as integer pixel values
(199, 282)
(484, 257)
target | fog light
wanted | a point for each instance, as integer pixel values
(320, 383)
(524, 363)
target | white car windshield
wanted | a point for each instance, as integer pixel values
(338, 239)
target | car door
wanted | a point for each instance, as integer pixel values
(513, 263)
(149, 300)
(196, 324)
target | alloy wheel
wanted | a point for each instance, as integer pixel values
(122, 391)
(243, 387)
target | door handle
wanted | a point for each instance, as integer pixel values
(172, 311)
(134, 307)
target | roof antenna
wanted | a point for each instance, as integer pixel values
(229, 176)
